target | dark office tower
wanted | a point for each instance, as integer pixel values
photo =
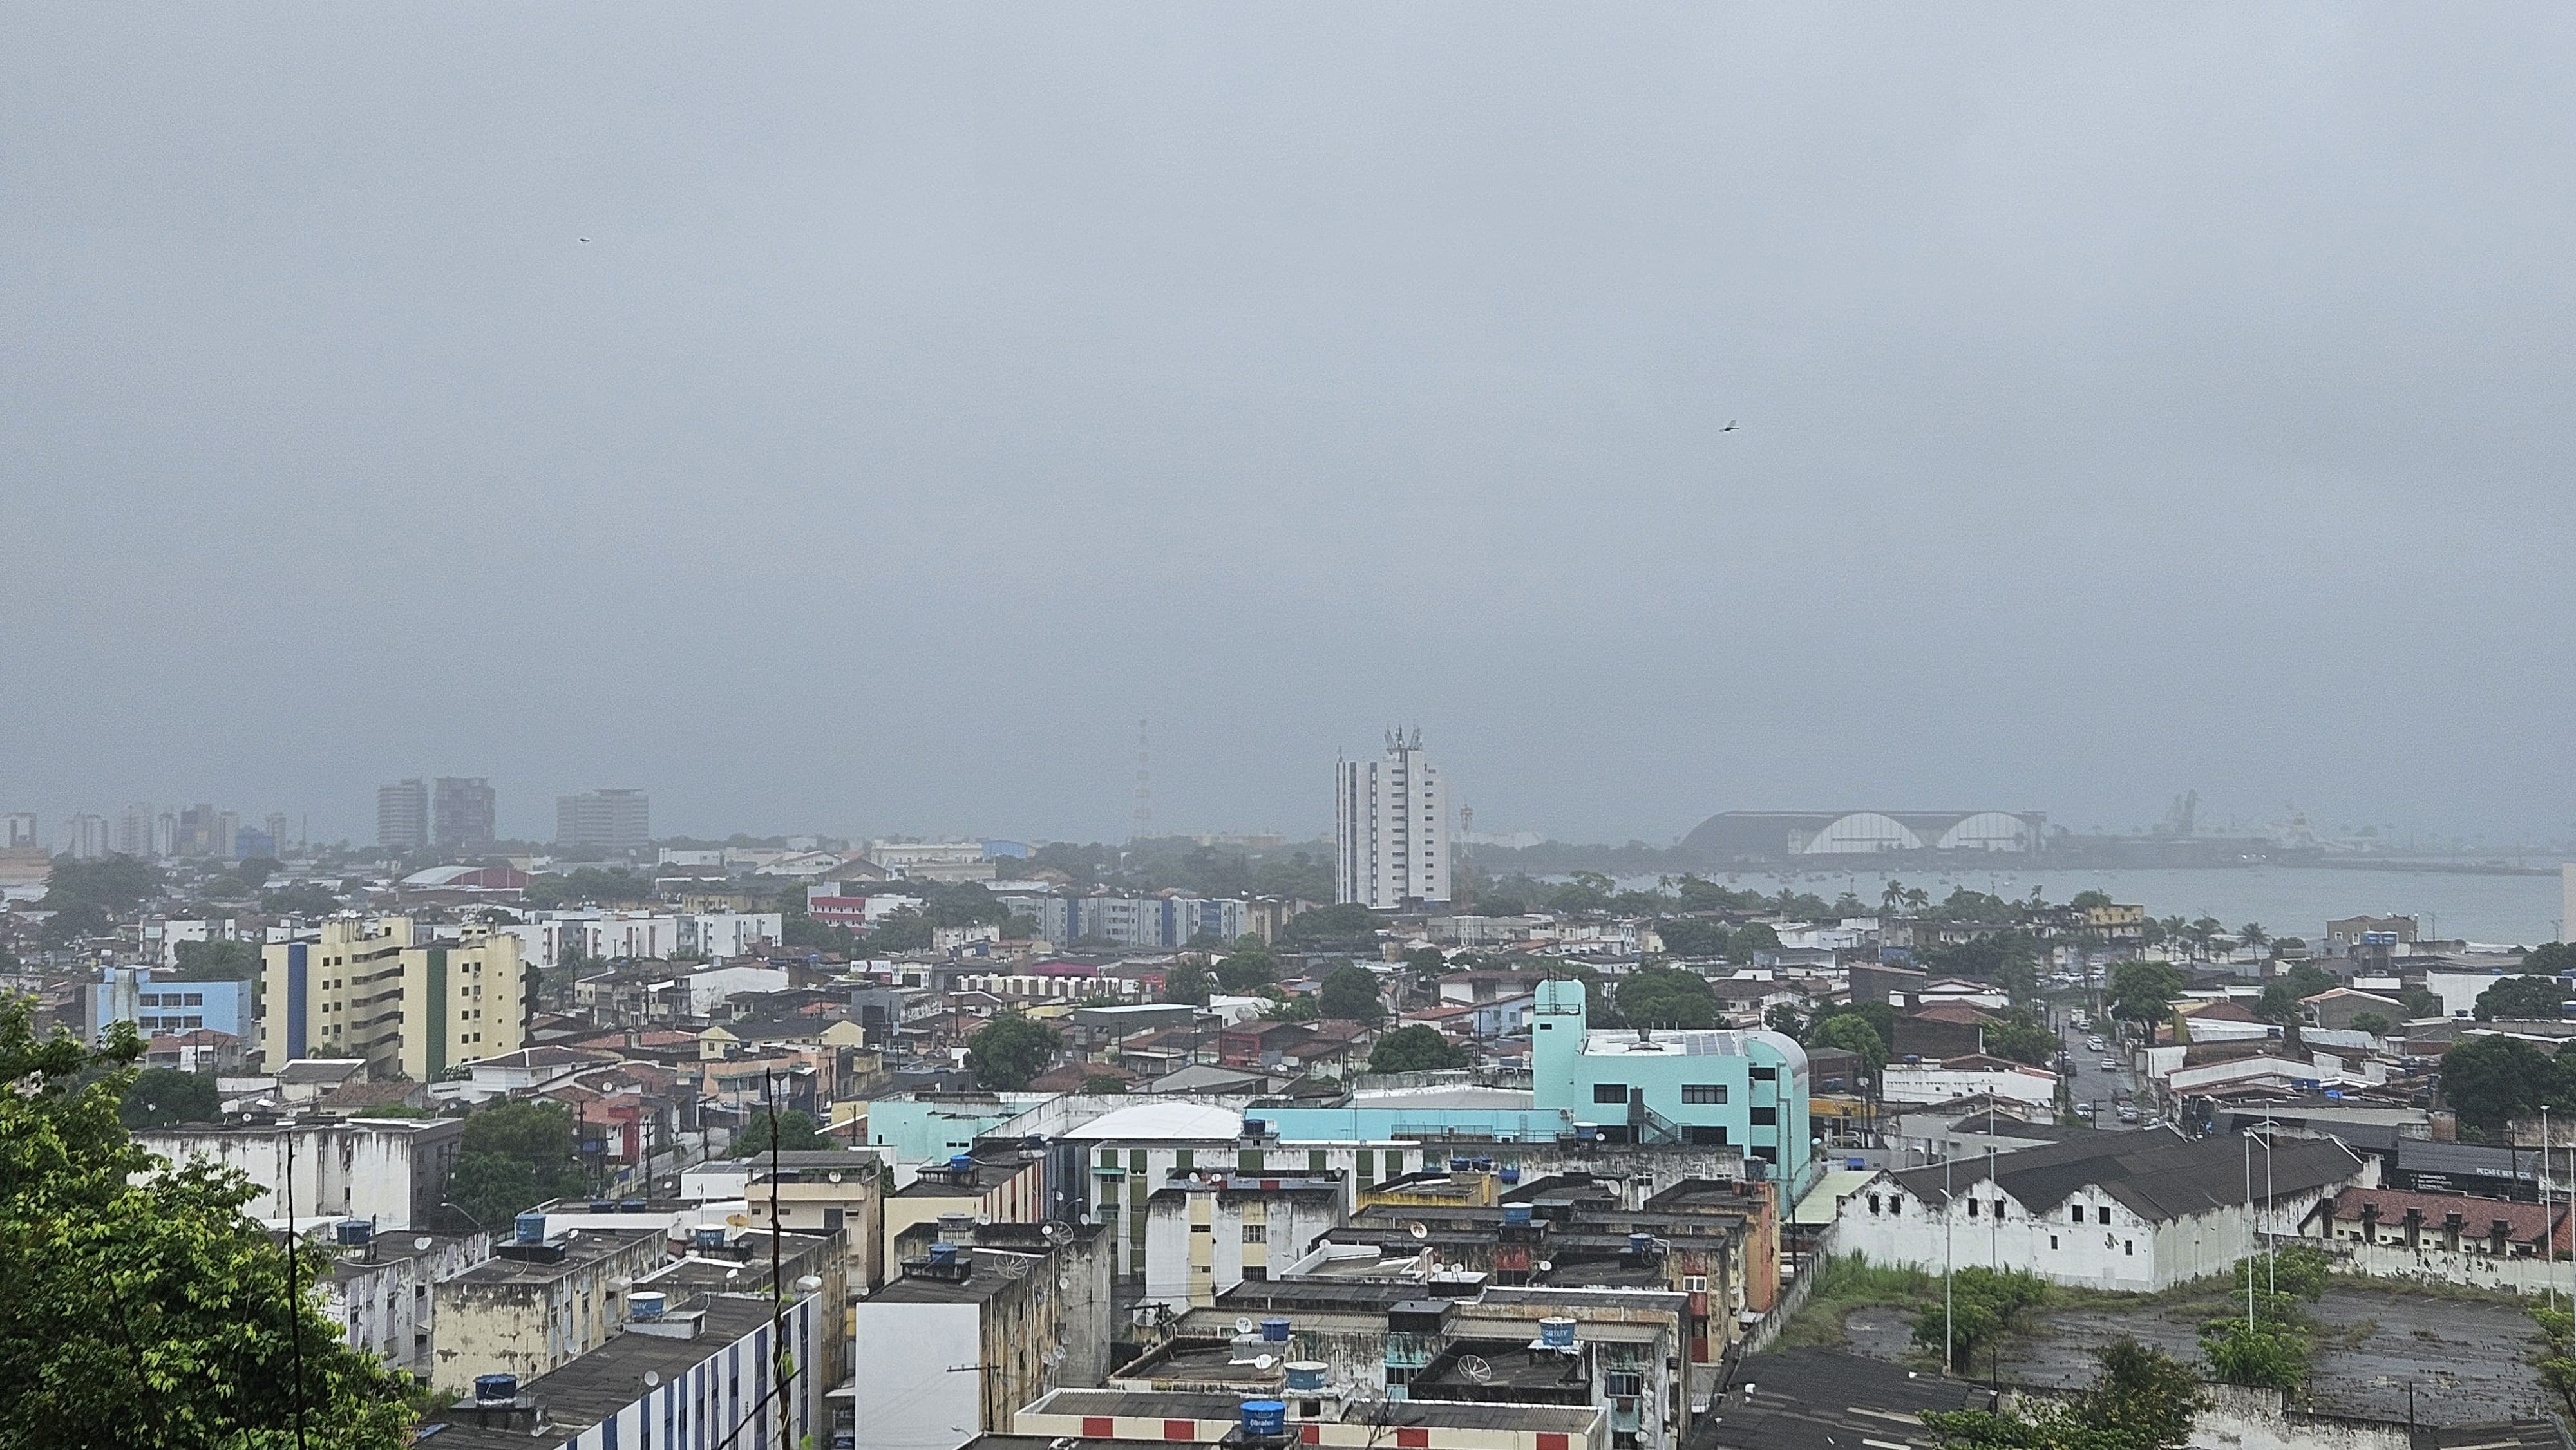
(402, 816)
(461, 809)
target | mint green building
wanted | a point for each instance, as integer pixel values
(1732, 1088)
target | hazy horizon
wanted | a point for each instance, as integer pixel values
(2131, 402)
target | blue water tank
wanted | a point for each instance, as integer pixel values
(603, 1205)
(1856, 1164)
(1586, 1132)
(1641, 1244)
(646, 1304)
(961, 1162)
(631, 1205)
(943, 1254)
(1461, 1165)
(711, 1237)
(353, 1233)
(1265, 1419)
(1556, 1333)
(1274, 1331)
(529, 1228)
(496, 1387)
(1511, 1175)
(1516, 1215)
(1306, 1376)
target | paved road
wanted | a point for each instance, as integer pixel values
(2091, 1084)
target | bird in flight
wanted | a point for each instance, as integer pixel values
(583, 239)
(1731, 426)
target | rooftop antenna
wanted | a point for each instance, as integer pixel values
(1144, 823)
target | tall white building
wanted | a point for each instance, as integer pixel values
(1391, 828)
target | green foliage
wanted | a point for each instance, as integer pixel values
(1350, 995)
(1750, 938)
(160, 1098)
(2144, 991)
(1105, 1084)
(2296, 1273)
(1186, 983)
(514, 1156)
(2307, 979)
(1693, 936)
(2022, 1038)
(1348, 927)
(2489, 1080)
(2268, 1354)
(2556, 1360)
(904, 931)
(1784, 1020)
(794, 1131)
(1982, 1303)
(1417, 1048)
(2089, 900)
(963, 903)
(591, 885)
(1300, 877)
(490, 1189)
(2374, 1023)
(2143, 1400)
(114, 884)
(142, 1307)
(2009, 959)
(1852, 1033)
(1248, 968)
(303, 898)
(1667, 997)
(2525, 998)
(2550, 959)
(1006, 1054)
(213, 961)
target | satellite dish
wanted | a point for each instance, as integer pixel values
(836, 1175)
(652, 1378)
(1243, 1325)
(423, 1243)
(1262, 1361)
(1546, 1266)
(1418, 1229)
(732, 1274)
(1475, 1368)
(1057, 1233)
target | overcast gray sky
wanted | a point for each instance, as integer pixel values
(2132, 400)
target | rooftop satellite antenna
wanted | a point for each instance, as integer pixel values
(1418, 1229)
(652, 1378)
(1243, 1325)
(1474, 1367)
(1262, 1361)
(423, 1243)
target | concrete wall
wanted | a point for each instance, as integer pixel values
(531, 1326)
(908, 1399)
(2433, 1264)
(391, 1172)
(698, 1406)
(384, 1307)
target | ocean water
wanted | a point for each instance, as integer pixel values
(2285, 900)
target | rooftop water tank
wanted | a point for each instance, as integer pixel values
(1511, 1175)
(1516, 1215)
(645, 1304)
(1641, 1244)
(496, 1387)
(353, 1233)
(1586, 1132)
(1274, 1331)
(1461, 1165)
(1265, 1419)
(961, 1162)
(1556, 1332)
(603, 1205)
(529, 1228)
(709, 1236)
(1306, 1376)
(943, 1254)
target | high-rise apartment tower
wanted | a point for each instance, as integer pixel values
(1391, 828)
(609, 820)
(461, 813)
(402, 815)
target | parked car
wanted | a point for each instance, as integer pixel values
(2108, 1065)
(2083, 1110)
(2093, 1042)
(2128, 1112)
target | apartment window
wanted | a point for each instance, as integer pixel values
(1703, 1092)
(1972, 1208)
(1609, 1092)
(1765, 1115)
(195, 999)
(1873, 1205)
(2129, 1248)
(1256, 1233)
(1999, 1208)
(2104, 1212)
(1895, 1207)
(1623, 1382)
(2052, 1241)
(1766, 1074)
(2075, 1214)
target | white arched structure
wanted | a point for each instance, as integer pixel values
(1861, 833)
(1988, 831)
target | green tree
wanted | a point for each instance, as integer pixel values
(2142, 1400)
(2557, 1359)
(2144, 991)
(1350, 995)
(2374, 1023)
(1667, 997)
(613, 887)
(2488, 1080)
(2021, 1038)
(1981, 1304)
(1186, 983)
(2268, 1354)
(143, 1306)
(1347, 927)
(491, 1188)
(1006, 1054)
(904, 931)
(1105, 1084)
(161, 1098)
(303, 898)
(1693, 936)
(2307, 979)
(114, 884)
(1752, 937)
(2524, 998)
(2550, 959)
(795, 1132)
(209, 961)
(1784, 1020)
(514, 1156)
(1852, 1034)
(1417, 1048)
(1248, 968)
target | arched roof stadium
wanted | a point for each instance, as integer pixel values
(1781, 834)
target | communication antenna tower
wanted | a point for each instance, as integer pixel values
(1144, 825)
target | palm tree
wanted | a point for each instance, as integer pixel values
(2253, 935)
(1892, 900)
